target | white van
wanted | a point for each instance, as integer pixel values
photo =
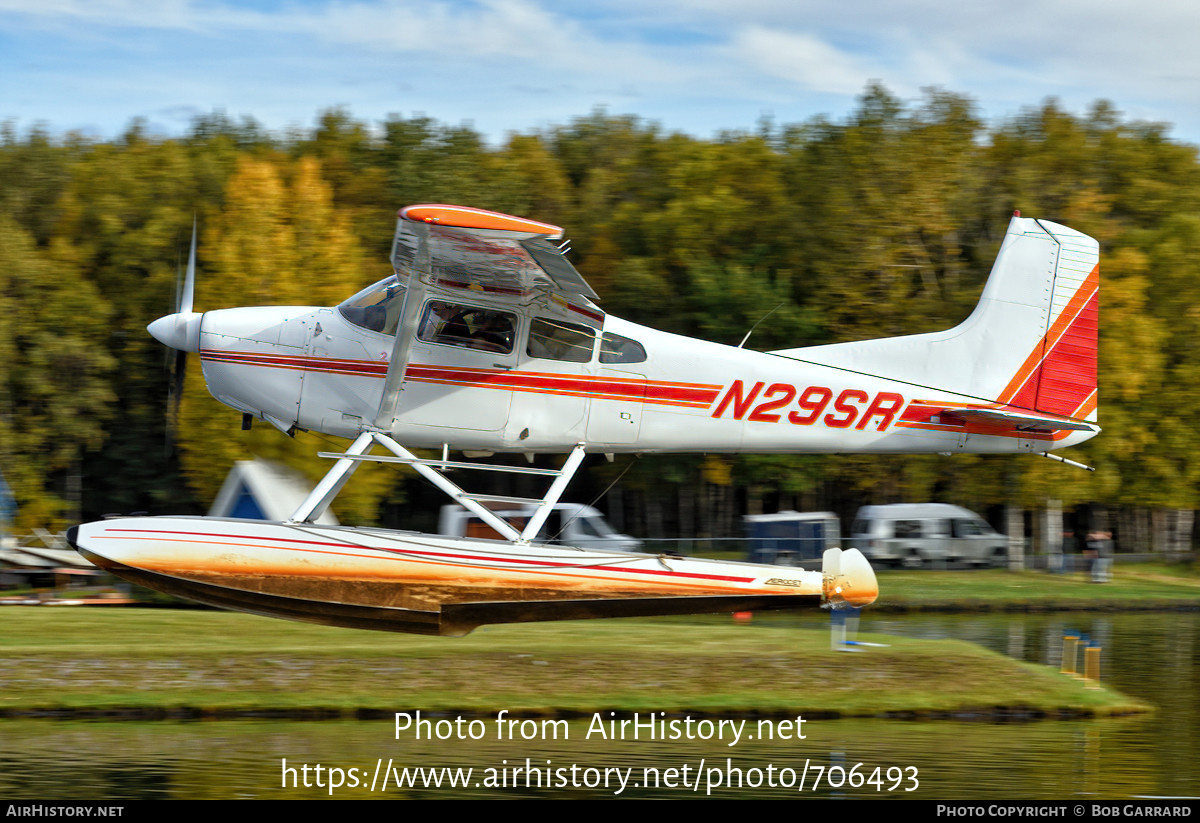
(569, 524)
(913, 534)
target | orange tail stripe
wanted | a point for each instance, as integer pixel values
(1077, 322)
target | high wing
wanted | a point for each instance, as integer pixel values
(495, 253)
(457, 250)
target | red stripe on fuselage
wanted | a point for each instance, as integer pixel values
(695, 395)
(605, 387)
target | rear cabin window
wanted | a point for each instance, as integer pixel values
(470, 327)
(617, 349)
(559, 340)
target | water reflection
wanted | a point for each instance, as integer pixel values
(1151, 656)
(81, 760)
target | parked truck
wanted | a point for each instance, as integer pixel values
(787, 538)
(569, 524)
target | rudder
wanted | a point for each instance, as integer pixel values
(1059, 374)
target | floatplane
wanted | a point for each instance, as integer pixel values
(486, 340)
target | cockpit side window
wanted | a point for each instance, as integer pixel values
(560, 340)
(453, 324)
(377, 307)
(617, 349)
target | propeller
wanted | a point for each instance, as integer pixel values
(187, 296)
(181, 330)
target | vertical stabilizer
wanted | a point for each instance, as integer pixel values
(1058, 375)
(1031, 342)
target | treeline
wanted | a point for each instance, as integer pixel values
(885, 223)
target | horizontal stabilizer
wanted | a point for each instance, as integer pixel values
(1024, 421)
(996, 419)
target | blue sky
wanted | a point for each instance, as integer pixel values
(699, 66)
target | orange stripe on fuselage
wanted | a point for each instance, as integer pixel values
(696, 395)
(658, 392)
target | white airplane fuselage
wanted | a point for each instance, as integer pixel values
(311, 368)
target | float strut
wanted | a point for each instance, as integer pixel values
(322, 495)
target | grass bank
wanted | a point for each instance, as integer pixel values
(153, 662)
(1133, 587)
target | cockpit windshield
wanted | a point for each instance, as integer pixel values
(376, 307)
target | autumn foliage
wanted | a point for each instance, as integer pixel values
(885, 223)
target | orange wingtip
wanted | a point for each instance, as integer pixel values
(463, 217)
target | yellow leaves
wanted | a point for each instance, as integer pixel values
(885, 223)
(725, 199)
(529, 180)
(1131, 338)
(717, 470)
(278, 241)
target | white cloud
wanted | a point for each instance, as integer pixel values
(511, 64)
(802, 59)
(167, 14)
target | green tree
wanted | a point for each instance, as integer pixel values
(54, 376)
(126, 217)
(277, 241)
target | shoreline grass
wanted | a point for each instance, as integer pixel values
(163, 663)
(1139, 587)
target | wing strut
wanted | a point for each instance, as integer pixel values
(406, 328)
(331, 484)
(322, 495)
(546, 505)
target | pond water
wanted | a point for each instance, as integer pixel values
(1154, 657)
